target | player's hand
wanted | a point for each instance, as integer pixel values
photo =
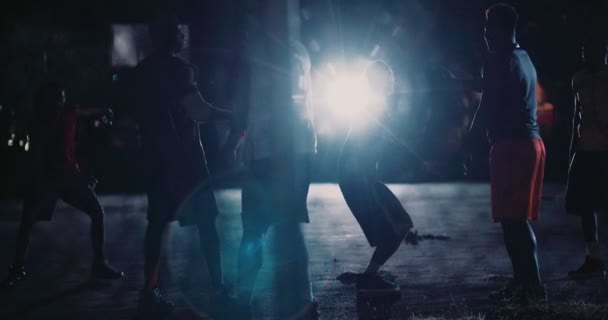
(92, 182)
(107, 117)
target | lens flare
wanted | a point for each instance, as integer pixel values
(348, 95)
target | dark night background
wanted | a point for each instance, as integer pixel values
(428, 43)
(420, 39)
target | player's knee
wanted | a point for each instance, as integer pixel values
(252, 241)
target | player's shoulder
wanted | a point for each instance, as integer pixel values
(162, 59)
(178, 61)
(603, 73)
(520, 57)
(521, 64)
(580, 74)
(579, 77)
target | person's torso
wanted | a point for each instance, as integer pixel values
(591, 93)
(280, 115)
(168, 135)
(513, 82)
(54, 144)
(362, 150)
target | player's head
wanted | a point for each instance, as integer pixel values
(501, 22)
(380, 77)
(167, 35)
(594, 52)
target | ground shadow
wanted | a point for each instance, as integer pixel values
(50, 299)
(376, 307)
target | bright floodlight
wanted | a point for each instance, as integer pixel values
(348, 95)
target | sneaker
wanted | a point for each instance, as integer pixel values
(15, 275)
(590, 269)
(105, 271)
(372, 284)
(504, 294)
(153, 304)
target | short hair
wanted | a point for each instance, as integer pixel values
(503, 16)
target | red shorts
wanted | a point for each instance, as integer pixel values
(517, 168)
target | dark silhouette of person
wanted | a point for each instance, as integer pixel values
(380, 214)
(55, 174)
(276, 148)
(169, 108)
(588, 174)
(507, 114)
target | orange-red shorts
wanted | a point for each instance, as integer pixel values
(517, 169)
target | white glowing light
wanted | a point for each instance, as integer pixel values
(26, 147)
(10, 142)
(347, 96)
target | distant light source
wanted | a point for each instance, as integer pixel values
(344, 96)
(348, 95)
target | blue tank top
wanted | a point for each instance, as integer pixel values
(508, 106)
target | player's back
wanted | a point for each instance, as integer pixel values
(169, 136)
(511, 85)
(591, 93)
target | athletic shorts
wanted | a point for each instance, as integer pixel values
(377, 210)
(275, 191)
(72, 188)
(171, 198)
(178, 185)
(587, 183)
(517, 170)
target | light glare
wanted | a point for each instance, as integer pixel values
(348, 95)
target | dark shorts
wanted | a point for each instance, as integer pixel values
(73, 189)
(275, 191)
(517, 170)
(190, 204)
(178, 184)
(587, 183)
(377, 210)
